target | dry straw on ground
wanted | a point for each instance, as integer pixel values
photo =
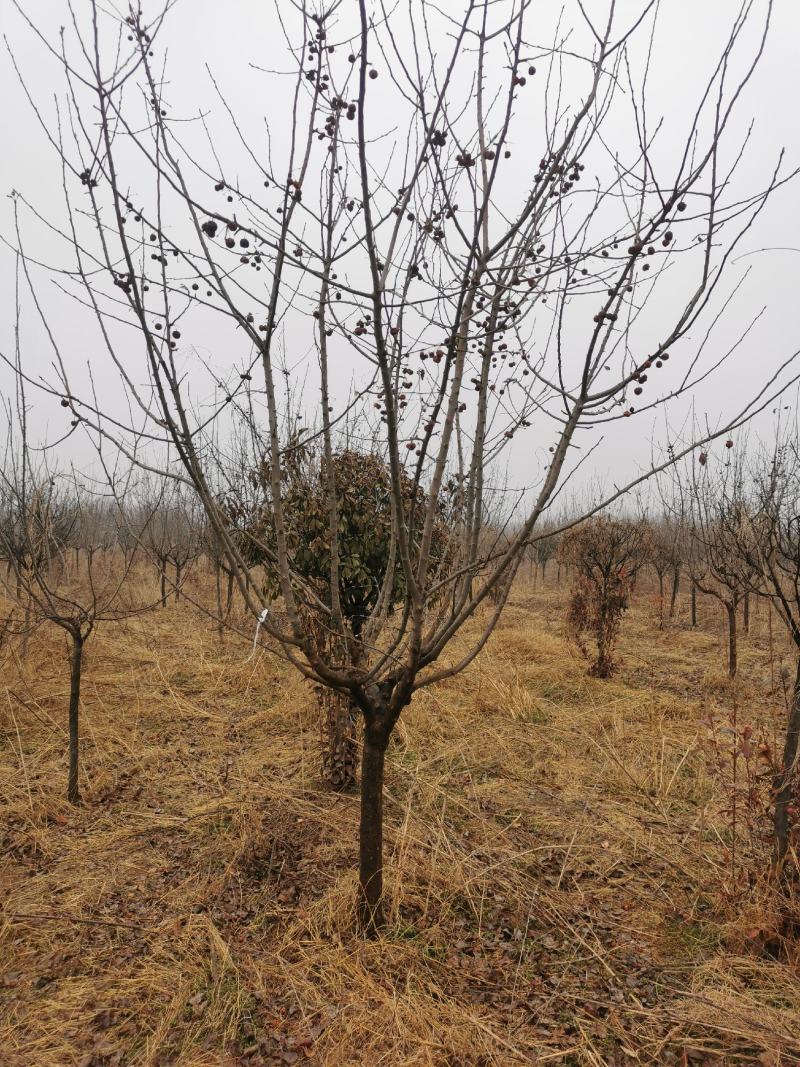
(557, 862)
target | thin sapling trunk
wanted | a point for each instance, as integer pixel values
(730, 608)
(673, 597)
(75, 666)
(784, 780)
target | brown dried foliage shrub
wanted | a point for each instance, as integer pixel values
(606, 555)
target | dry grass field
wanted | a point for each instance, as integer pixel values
(561, 879)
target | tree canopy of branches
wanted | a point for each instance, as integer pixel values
(35, 523)
(168, 528)
(370, 578)
(474, 289)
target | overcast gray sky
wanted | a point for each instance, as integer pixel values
(238, 36)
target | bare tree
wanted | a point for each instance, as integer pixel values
(668, 537)
(770, 545)
(470, 290)
(40, 514)
(661, 562)
(171, 533)
(214, 550)
(721, 524)
(545, 548)
(98, 529)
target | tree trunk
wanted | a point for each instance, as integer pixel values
(730, 607)
(544, 571)
(746, 613)
(603, 666)
(660, 600)
(163, 576)
(26, 631)
(218, 581)
(75, 664)
(229, 595)
(694, 605)
(178, 573)
(784, 780)
(673, 597)
(370, 867)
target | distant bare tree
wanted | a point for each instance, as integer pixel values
(98, 529)
(170, 531)
(668, 538)
(721, 525)
(545, 548)
(41, 513)
(769, 543)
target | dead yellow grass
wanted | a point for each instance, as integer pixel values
(553, 850)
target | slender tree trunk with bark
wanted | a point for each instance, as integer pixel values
(785, 779)
(370, 867)
(746, 613)
(163, 577)
(660, 600)
(229, 595)
(75, 664)
(603, 667)
(730, 607)
(26, 631)
(694, 605)
(178, 573)
(673, 597)
(218, 583)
